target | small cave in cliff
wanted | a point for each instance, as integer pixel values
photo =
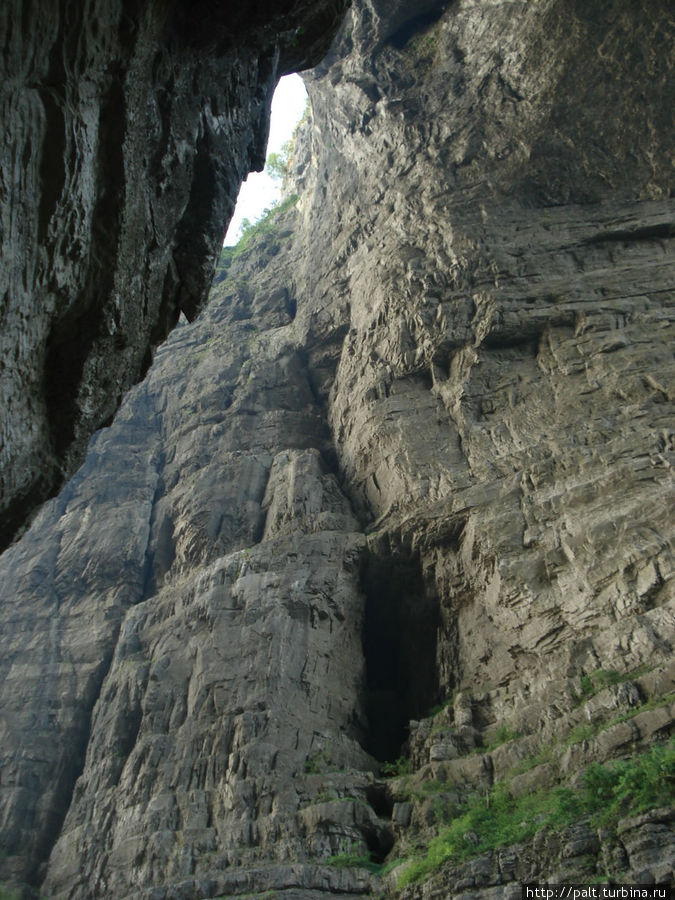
(417, 24)
(399, 642)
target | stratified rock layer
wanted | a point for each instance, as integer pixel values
(128, 130)
(416, 452)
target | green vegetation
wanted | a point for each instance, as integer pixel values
(421, 51)
(586, 730)
(426, 43)
(493, 822)
(608, 792)
(594, 682)
(253, 230)
(631, 786)
(355, 860)
(277, 164)
(432, 786)
(441, 706)
(400, 766)
(7, 894)
(655, 703)
(545, 755)
(319, 763)
(496, 818)
(502, 735)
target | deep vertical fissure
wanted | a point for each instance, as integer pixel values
(399, 642)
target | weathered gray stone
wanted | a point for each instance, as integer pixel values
(128, 130)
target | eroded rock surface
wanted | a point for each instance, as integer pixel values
(128, 130)
(416, 453)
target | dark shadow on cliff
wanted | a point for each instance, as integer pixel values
(399, 640)
(417, 25)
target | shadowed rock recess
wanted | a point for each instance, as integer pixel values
(129, 126)
(403, 489)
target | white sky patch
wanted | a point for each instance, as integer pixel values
(259, 191)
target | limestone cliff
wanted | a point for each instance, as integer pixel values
(402, 490)
(128, 129)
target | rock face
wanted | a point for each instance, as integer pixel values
(129, 127)
(414, 454)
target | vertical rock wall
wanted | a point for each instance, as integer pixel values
(128, 129)
(175, 687)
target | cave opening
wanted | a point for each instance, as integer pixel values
(262, 191)
(416, 25)
(399, 642)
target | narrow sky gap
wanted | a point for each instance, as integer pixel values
(259, 191)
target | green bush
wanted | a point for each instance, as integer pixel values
(450, 699)
(400, 766)
(628, 787)
(502, 735)
(319, 761)
(253, 230)
(602, 678)
(499, 819)
(7, 894)
(354, 861)
(593, 682)
(250, 231)
(361, 861)
(276, 164)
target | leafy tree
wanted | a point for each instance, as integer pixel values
(277, 163)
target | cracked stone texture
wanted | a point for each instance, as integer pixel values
(193, 620)
(641, 846)
(418, 446)
(503, 400)
(128, 130)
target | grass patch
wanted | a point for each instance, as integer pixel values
(608, 792)
(426, 44)
(502, 735)
(594, 682)
(354, 861)
(264, 225)
(499, 821)
(431, 787)
(362, 861)
(7, 894)
(434, 711)
(400, 766)
(650, 704)
(586, 730)
(545, 755)
(632, 786)
(320, 763)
